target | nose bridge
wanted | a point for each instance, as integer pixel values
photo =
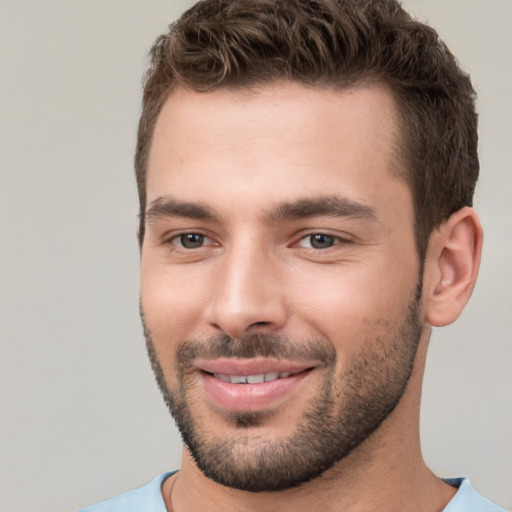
(248, 295)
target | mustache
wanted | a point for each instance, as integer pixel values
(270, 346)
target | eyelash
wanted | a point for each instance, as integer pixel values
(178, 241)
(336, 240)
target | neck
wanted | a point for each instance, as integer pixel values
(385, 473)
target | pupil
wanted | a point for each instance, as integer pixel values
(322, 241)
(191, 240)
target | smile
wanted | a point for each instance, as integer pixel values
(253, 379)
(251, 385)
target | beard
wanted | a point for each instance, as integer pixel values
(348, 408)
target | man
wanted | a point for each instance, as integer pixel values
(305, 172)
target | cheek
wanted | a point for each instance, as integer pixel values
(173, 303)
(351, 307)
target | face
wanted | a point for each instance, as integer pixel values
(279, 278)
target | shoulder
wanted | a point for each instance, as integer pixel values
(147, 498)
(468, 500)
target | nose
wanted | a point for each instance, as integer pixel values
(249, 296)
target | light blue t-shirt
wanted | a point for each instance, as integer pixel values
(149, 499)
(144, 499)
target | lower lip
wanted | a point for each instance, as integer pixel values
(251, 397)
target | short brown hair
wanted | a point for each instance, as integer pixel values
(339, 44)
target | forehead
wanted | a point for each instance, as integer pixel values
(280, 140)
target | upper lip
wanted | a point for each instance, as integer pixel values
(232, 367)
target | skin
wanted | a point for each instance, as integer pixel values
(239, 154)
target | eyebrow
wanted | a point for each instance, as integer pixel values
(170, 207)
(327, 206)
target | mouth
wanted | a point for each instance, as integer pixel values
(251, 385)
(254, 379)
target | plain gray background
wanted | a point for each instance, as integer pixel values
(81, 417)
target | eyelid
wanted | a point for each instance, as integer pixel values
(340, 239)
(174, 236)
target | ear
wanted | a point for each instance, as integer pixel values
(451, 267)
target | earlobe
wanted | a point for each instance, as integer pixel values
(451, 266)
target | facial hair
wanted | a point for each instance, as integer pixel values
(348, 407)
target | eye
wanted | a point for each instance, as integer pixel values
(190, 240)
(320, 241)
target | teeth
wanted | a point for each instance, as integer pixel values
(255, 379)
(252, 379)
(235, 379)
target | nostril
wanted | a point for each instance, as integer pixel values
(236, 314)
